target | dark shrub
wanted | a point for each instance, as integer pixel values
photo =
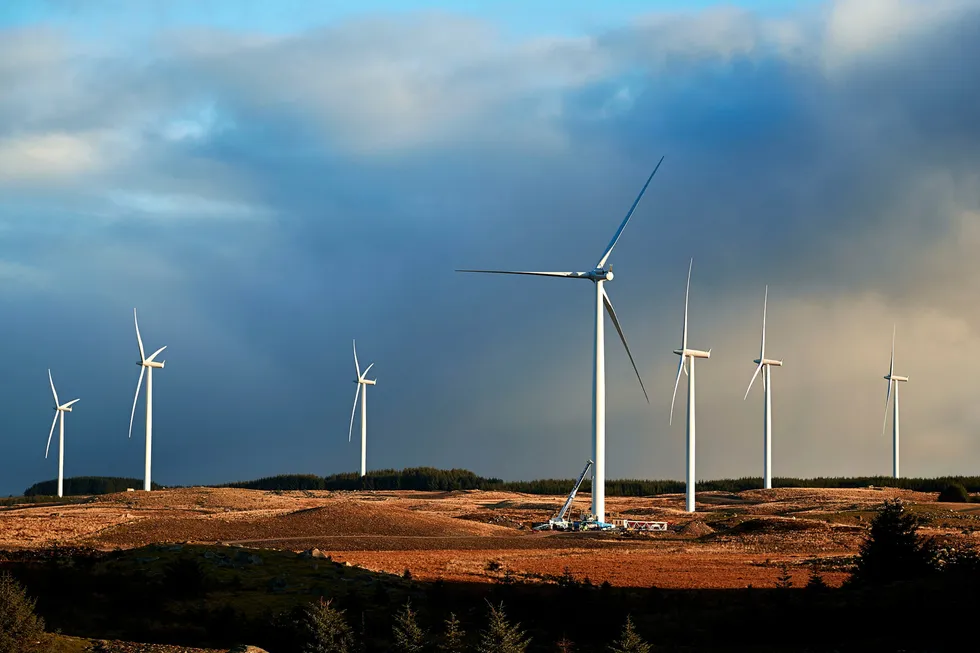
(954, 493)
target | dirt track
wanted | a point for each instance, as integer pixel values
(733, 541)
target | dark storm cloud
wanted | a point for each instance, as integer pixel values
(264, 200)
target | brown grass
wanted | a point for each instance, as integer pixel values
(733, 541)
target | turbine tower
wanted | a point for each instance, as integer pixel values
(893, 378)
(599, 275)
(147, 364)
(361, 380)
(59, 411)
(764, 364)
(688, 355)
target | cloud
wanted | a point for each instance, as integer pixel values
(264, 199)
(28, 158)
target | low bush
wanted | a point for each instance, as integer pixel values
(954, 493)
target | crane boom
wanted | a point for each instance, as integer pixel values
(560, 517)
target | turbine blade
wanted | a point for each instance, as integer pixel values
(139, 384)
(154, 354)
(888, 394)
(71, 403)
(364, 374)
(677, 381)
(357, 392)
(765, 305)
(357, 365)
(51, 433)
(572, 275)
(753, 381)
(139, 340)
(891, 365)
(629, 214)
(687, 296)
(53, 391)
(622, 336)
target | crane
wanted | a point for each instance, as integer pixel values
(560, 522)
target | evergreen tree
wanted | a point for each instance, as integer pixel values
(453, 637)
(324, 629)
(816, 581)
(892, 550)
(565, 645)
(500, 635)
(785, 579)
(629, 640)
(409, 637)
(21, 631)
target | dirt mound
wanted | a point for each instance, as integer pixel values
(775, 525)
(354, 517)
(696, 528)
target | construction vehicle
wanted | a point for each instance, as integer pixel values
(560, 521)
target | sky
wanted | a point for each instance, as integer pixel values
(266, 184)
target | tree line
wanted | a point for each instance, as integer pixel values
(429, 478)
(432, 479)
(78, 485)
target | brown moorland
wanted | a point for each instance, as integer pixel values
(735, 540)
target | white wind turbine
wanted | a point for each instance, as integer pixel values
(599, 275)
(766, 363)
(59, 411)
(146, 365)
(688, 355)
(361, 380)
(893, 378)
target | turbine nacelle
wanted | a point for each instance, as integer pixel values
(600, 274)
(895, 377)
(693, 353)
(366, 381)
(768, 361)
(148, 363)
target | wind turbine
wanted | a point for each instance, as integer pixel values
(59, 411)
(361, 380)
(147, 364)
(893, 378)
(688, 355)
(599, 275)
(766, 363)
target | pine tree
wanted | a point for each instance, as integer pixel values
(453, 637)
(324, 629)
(565, 645)
(21, 631)
(500, 635)
(785, 579)
(816, 581)
(629, 640)
(893, 550)
(409, 637)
